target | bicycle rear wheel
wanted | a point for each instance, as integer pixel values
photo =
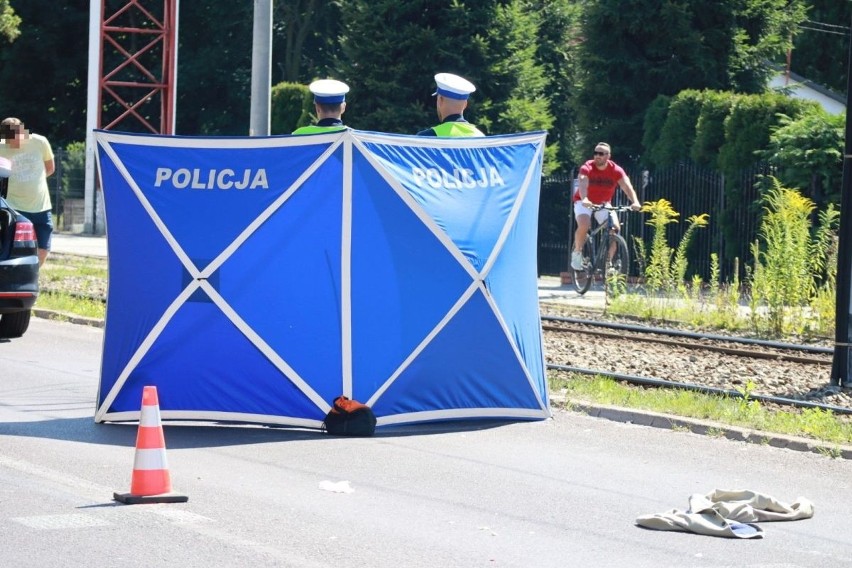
(618, 267)
(583, 278)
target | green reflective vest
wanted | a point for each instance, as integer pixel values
(318, 129)
(456, 129)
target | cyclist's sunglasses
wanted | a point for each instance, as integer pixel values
(598, 153)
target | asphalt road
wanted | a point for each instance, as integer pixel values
(560, 492)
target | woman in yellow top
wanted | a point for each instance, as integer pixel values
(32, 163)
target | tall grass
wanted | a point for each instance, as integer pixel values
(789, 290)
(71, 305)
(742, 411)
(658, 263)
(666, 266)
(680, 263)
(823, 302)
(790, 263)
(73, 285)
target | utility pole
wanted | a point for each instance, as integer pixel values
(132, 75)
(841, 374)
(261, 68)
(156, 75)
(95, 11)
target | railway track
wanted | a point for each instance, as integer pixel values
(772, 372)
(742, 347)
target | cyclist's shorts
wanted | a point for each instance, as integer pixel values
(600, 214)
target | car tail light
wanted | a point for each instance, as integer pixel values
(24, 231)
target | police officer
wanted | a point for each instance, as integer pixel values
(452, 94)
(329, 105)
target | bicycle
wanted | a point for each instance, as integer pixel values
(595, 249)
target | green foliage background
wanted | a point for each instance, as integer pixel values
(291, 106)
(583, 71)
(9, 21)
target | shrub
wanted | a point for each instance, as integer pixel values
(710, 127)
(807, 153)
(291, 105)
(677, 133)
(74, 169)
(788, 263)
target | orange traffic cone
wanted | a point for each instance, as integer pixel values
(151, 482)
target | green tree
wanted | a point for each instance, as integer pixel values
(821, 48)
(808, 154)
(214, 68)
(747, 130)
(655, 117)
(42, 79)
(677, 133)
(710, 128)
(557, 33)
(690, 124)
(392, 50)
(516, 81)
(305, 38)
(749, 125)
(634, 50)
(9, 21)
(384, 48)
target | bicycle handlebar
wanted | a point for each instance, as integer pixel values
(611, 208)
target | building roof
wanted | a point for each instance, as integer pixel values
(799, 87)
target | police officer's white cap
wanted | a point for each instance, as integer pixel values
(329, 91)
(453, 86)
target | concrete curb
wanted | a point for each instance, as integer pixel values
(706, 428)
(62, 316)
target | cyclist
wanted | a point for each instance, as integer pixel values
(596, 184)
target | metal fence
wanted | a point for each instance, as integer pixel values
(67, 192)
(692, 190)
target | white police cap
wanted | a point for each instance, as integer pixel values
(453, 86)
(329, 91)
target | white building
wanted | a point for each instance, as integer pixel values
(799, 87)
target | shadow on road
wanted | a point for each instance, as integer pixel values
(217, 434)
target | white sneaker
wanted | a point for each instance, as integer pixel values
(576, 260)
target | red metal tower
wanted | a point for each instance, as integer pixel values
(137, 73)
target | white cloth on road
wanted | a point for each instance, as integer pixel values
(729, 514)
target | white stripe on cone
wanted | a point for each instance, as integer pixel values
(150, 415)
(150, 459)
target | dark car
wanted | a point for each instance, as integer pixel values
(18, 270)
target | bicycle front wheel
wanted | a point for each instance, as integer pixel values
(583, 278)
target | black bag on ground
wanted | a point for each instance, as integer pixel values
(349, 418)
